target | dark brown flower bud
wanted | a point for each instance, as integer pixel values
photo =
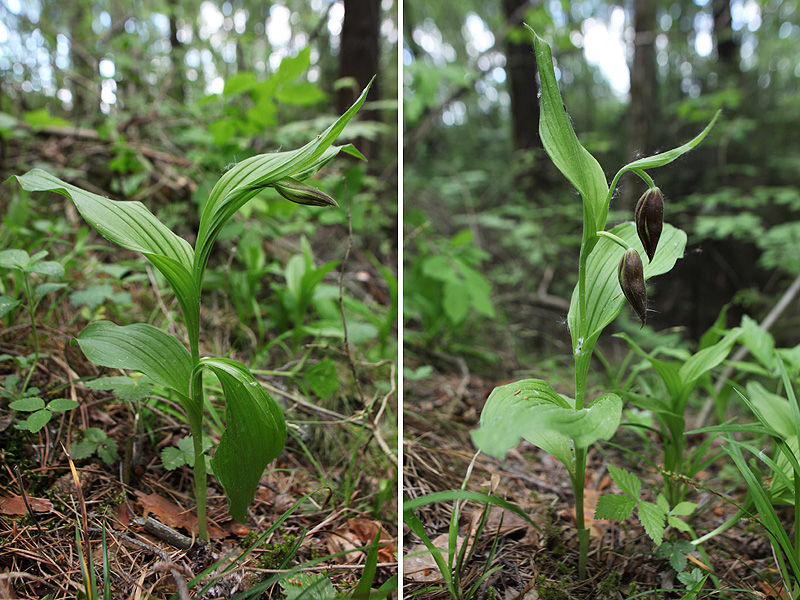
(649, 216)
(302, 193)
(631, 280)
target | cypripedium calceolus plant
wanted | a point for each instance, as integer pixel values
(255, 431)
(609, 261)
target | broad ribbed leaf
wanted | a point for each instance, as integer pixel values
(708, 358)
(604, 298)
(771, 409)
(241, 183)
(132, 226)
(759, 341)
(139, 347)
(562, 145)
(532, 409)
(255, 433)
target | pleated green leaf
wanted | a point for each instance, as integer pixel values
(604, 298)
(533, 410)
(249, 177)
(255, 433)
(132, 226)
(139, 347)
(562, 145)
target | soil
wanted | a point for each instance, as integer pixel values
(542, 562)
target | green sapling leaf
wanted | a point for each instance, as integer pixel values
(49, 268)
(653, 519)
(48, 288)
(27, 404)
(62, 404)
(14, 259)
(627, 481)
(126, 389)
(35, 421)
(95, 440)
(7, 305)
(693, 578)
(322, 378)
(678, 524)
(614, 507)
(683, 509)
(308, 587)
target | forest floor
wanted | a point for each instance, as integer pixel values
(541, 562)
(326, 497)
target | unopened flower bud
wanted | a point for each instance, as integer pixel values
(631, 280)
(649, 216)
(302, 193)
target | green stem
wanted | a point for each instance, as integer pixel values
(582, 356)
(195, 415)
(578, 481)
(31, 312)
(614, 238)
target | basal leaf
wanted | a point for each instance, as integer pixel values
(249, 177)
(531, 409)
(562, 145)
(255, 433)
(139, 347)
(604, 298)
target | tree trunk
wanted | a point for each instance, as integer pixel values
(727, 48)
(521, 70)
(358, 59)
(177, 53)
(643, 110)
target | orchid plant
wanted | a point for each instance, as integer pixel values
(610, 270)
(255, 430)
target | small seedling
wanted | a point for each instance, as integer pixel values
(30, 267)
(610, 270)
(41, 412)
(95, 441)
(255, 428)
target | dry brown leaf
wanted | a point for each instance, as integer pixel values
(343, 540)
(166, 511)
(123, 514)
(14, 506)
(419, 564)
